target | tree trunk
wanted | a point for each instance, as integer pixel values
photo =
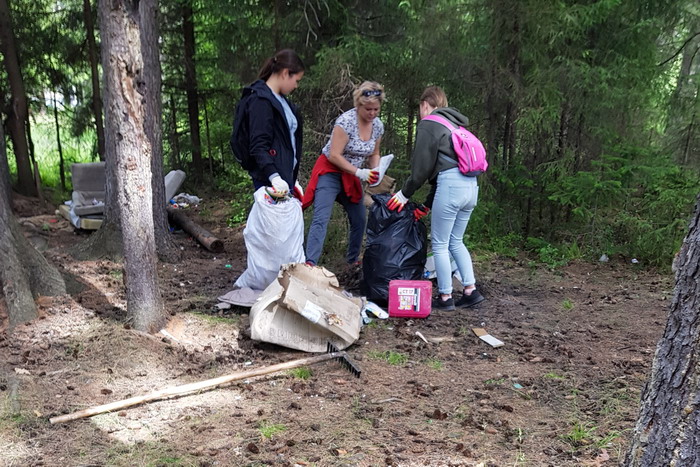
(409, 131)
(95, 75)
(18, 111)
(206, 129)
(4, 166)
(24, 272)
(127, 93)
(61, 168)
(153, 107)
(35, 166)
(191, 88)
(669, 418)
(174, 137)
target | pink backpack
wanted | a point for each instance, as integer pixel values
(471, 155)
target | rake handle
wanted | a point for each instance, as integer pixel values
(193, 387)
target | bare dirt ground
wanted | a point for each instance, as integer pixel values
(562, 391)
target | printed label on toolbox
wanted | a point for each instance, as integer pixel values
(409, 298)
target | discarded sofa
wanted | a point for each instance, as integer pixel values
(85, 209)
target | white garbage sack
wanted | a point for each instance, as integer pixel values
(274, 235)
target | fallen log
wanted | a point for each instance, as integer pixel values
(202, 235)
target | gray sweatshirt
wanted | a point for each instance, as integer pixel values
(432, 138)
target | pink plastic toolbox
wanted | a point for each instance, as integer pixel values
(409, 299)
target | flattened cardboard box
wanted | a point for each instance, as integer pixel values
(304, 309)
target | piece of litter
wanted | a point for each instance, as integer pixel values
(603, 258)
(517, 385)
(418, 333)
(228, 266)
(22, 371)
(635, 261)
(488, 338)
(375, 311)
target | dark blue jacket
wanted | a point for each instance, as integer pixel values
(270, 142)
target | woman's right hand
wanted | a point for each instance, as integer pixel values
(279, 186)
(367, 175)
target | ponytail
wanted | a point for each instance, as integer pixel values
(285, 58)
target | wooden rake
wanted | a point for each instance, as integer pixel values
(332, 353)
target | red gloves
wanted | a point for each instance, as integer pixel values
(367, 175)
(420, 212)
(397, 202)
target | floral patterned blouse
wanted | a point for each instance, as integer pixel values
(357, 150)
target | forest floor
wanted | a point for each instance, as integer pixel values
(562, 391)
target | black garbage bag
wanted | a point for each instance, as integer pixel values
(396, 248)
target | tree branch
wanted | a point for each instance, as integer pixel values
(680, 49)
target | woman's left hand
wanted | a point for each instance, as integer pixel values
(420, 212)
(397, 202)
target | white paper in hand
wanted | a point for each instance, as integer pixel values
(384, 163)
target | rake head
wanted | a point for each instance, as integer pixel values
(342, 357)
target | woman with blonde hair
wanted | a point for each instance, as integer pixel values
(452, 198)
(340, 169)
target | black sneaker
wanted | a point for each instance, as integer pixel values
(468, 301)
(440, 304)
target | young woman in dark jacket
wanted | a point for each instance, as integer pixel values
(273, 124)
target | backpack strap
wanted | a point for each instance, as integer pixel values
(442, 120)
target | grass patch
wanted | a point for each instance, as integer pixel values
(116, 273)
(389, 356)
(580, 434)
(434, 363)
(567, 304)
(216, 319)
(301, 373)
(552, 375)
(268, 430)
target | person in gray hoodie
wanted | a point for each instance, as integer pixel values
(452, 198)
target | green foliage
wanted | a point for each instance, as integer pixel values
(567, 304)
(301, 373)
(581, 433)
(434, 363)
(237, 182)
(391, 357)
(268, 430)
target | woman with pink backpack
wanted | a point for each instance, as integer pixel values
(450, 158)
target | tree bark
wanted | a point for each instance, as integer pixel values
(206, 129)
(667, 431)
(18, 111)
(127, 91)
(174, 137)
(61, 168)
(35, 166)
(153, 106)
(409, 131)
(191, 88)
(95, 76)
(4, 166)
(24, 272)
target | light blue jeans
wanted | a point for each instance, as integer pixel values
(455, 199)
